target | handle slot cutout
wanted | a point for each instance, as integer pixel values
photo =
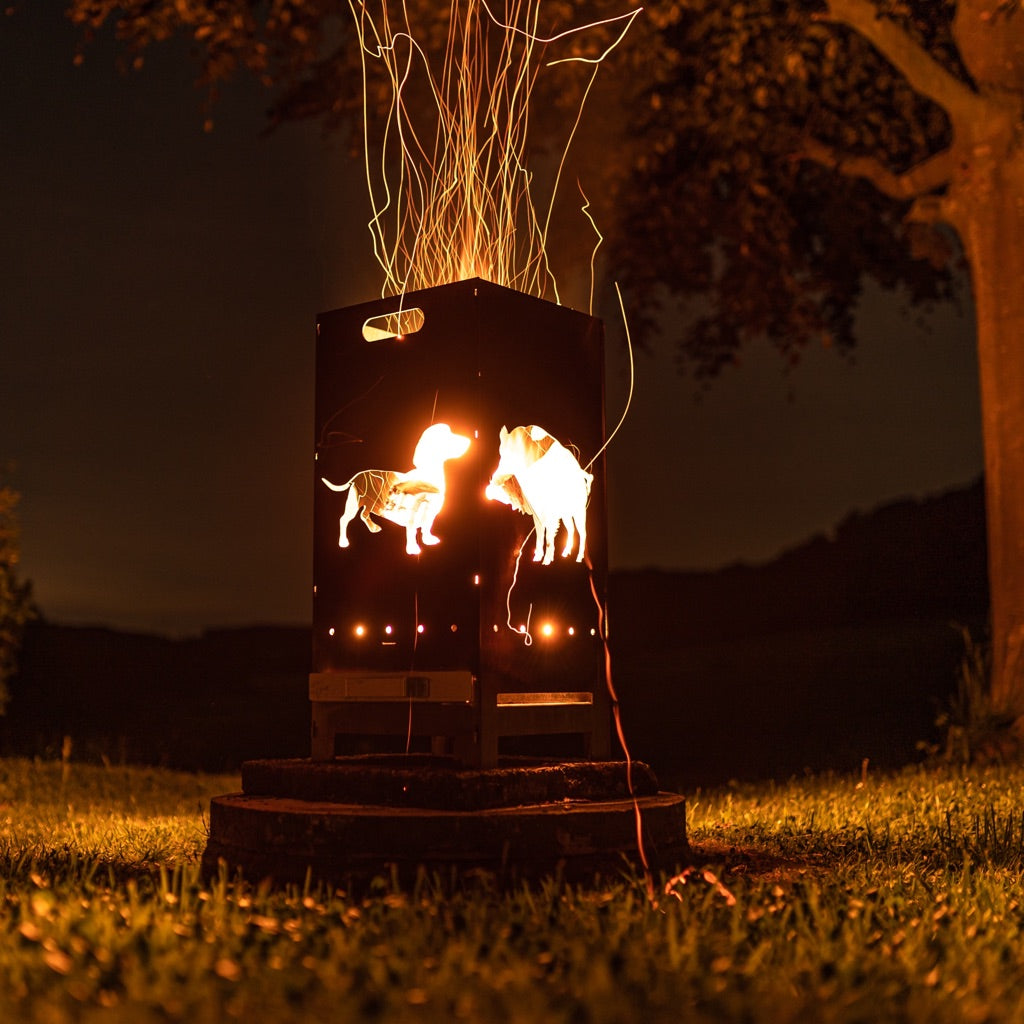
(393, 325)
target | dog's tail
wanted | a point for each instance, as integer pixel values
(337, 487)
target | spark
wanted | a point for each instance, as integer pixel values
(450, 192)
(628, 18)
(585, 210)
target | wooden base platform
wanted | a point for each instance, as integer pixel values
(352, 819)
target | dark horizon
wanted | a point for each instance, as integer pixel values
(931, 548)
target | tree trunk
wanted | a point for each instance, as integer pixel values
(986, 205)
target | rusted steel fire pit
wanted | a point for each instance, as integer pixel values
(460, 566)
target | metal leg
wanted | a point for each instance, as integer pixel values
(322, 734)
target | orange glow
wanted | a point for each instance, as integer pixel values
(360, 630)
(548, 629)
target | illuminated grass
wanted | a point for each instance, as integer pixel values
(891, 899)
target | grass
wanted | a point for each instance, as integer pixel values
(895, 898)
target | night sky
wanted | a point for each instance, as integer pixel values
(158, 292)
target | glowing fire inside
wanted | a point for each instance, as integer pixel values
(540, 477)
(412, 499)
(536, 475)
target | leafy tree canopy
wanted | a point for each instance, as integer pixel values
(734, 196)
(306, 51)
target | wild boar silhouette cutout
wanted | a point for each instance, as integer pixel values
(538, 476)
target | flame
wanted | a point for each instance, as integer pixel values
(450, 192)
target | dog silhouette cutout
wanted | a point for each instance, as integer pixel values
(539, 477)
(411, 499)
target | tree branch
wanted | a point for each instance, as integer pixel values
(924, 73)
(929, 210)
(918, 181)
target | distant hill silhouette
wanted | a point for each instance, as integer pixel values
(840, 649)
(837, 650)
(207, 702)
(906, 559)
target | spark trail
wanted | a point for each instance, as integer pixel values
(450, 191)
